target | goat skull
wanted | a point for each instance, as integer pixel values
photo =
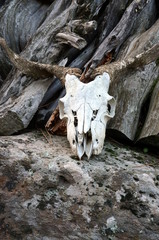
(87, 107)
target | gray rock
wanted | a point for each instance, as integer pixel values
(47, 193)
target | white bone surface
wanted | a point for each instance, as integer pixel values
(86, 107)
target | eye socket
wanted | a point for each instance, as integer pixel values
(74, 113)
(95, 112)
(75, 121)
(93, 118)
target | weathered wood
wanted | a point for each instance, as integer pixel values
(16, 115)
(18, 22)
(118, 35)
(150, 129)
(42, 47)
(71, 39)
(111, 16)
(83, 27)
(89, 9)
(139, 43)
(132, 88)
(12, 92)
(49, 103)
(131, 91)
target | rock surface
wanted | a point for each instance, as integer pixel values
(47, 193)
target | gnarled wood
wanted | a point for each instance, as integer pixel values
(71, 39)
(83, 27)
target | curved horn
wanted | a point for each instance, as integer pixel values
(118, 68)
(37, 70)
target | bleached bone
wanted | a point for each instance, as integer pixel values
(88, 107)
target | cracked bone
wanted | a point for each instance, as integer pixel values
(87, 107)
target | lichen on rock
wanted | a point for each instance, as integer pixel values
(46, 193)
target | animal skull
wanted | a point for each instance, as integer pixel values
(87, 107)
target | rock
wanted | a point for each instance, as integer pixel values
(47, 193)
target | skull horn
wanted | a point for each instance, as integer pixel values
(38, 70)
(118, 68)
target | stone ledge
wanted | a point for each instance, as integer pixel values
(47, 193)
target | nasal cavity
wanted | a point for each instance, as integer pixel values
(109, 107)
(75, 118)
